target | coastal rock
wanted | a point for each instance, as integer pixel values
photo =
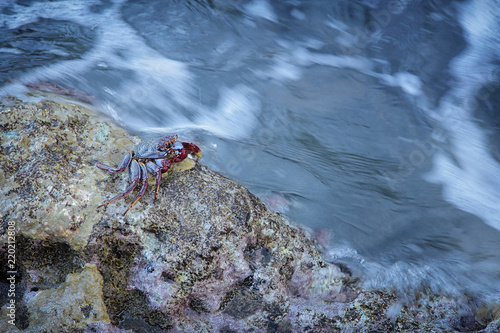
(76, 303)
(48, 175)
(207, 255)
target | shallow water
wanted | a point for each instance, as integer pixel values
(374, 124)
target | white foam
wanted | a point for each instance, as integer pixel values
(289, 64)
(10, 50)
(76, 11)
(471, 178)
(480, 20)
(261, 8)
(112, 36)
(471, 182)
(235, 114)
(163, 74)
(305, 57)
(283, 69)
(158, 83)
(409, 83)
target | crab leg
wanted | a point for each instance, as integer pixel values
(158, 171)
(122, 166)
(157, 183)
(144, 176)
(135, 176)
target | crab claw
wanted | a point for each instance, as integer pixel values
(193, 150)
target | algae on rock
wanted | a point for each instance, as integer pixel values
(47, 164)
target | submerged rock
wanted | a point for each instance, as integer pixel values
(207, 255)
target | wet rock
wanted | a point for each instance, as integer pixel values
(47, 174)
(207, 255)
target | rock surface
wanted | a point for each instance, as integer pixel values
(207, 256)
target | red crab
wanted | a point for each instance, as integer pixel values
(154, 155)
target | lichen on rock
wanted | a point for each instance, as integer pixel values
(48, 155)
(207, 255)
(81, 292)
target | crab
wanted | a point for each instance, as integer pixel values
(155, 155)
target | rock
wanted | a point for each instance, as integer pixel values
(76, 303)
(48, 175)
(207, 255)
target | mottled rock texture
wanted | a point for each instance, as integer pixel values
(207, 256)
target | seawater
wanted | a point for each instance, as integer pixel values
(374, 123)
